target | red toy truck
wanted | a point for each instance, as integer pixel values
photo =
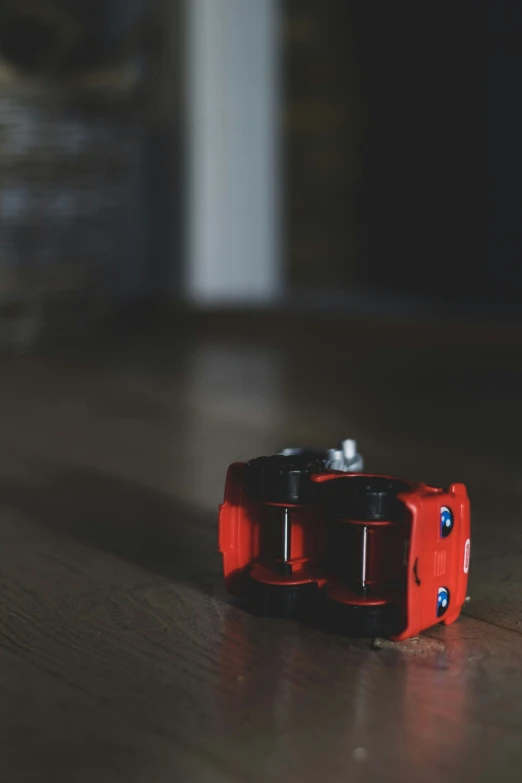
(380, 555)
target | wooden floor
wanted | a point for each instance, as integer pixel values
(121, 658)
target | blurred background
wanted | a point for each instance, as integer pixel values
(253, 154)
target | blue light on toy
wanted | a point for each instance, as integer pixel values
(443, 599)
(446, 521)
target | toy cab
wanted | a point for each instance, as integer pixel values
(438, 556)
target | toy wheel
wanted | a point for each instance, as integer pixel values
(367, 498)
(283, 479)
(288, 601)
(361, 621)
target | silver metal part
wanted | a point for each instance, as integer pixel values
(286, 535)
(344, 458)
(364, 556)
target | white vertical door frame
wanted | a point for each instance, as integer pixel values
(234, 180)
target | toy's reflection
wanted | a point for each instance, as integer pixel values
(400, 710)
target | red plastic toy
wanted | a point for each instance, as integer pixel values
(381, 555)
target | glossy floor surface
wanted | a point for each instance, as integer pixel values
(121, 657)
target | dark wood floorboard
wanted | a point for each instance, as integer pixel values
(121, 657)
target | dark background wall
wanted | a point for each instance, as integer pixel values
(504, 133)
(423, 76)
(403, 148)
(323, 115)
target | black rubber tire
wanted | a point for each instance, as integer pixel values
(290, 602)
(366, 498)
(360, 621)
(280, 479)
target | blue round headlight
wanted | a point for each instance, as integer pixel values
(443, 599)
(446, 521)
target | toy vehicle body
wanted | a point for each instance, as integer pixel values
(388, 556)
